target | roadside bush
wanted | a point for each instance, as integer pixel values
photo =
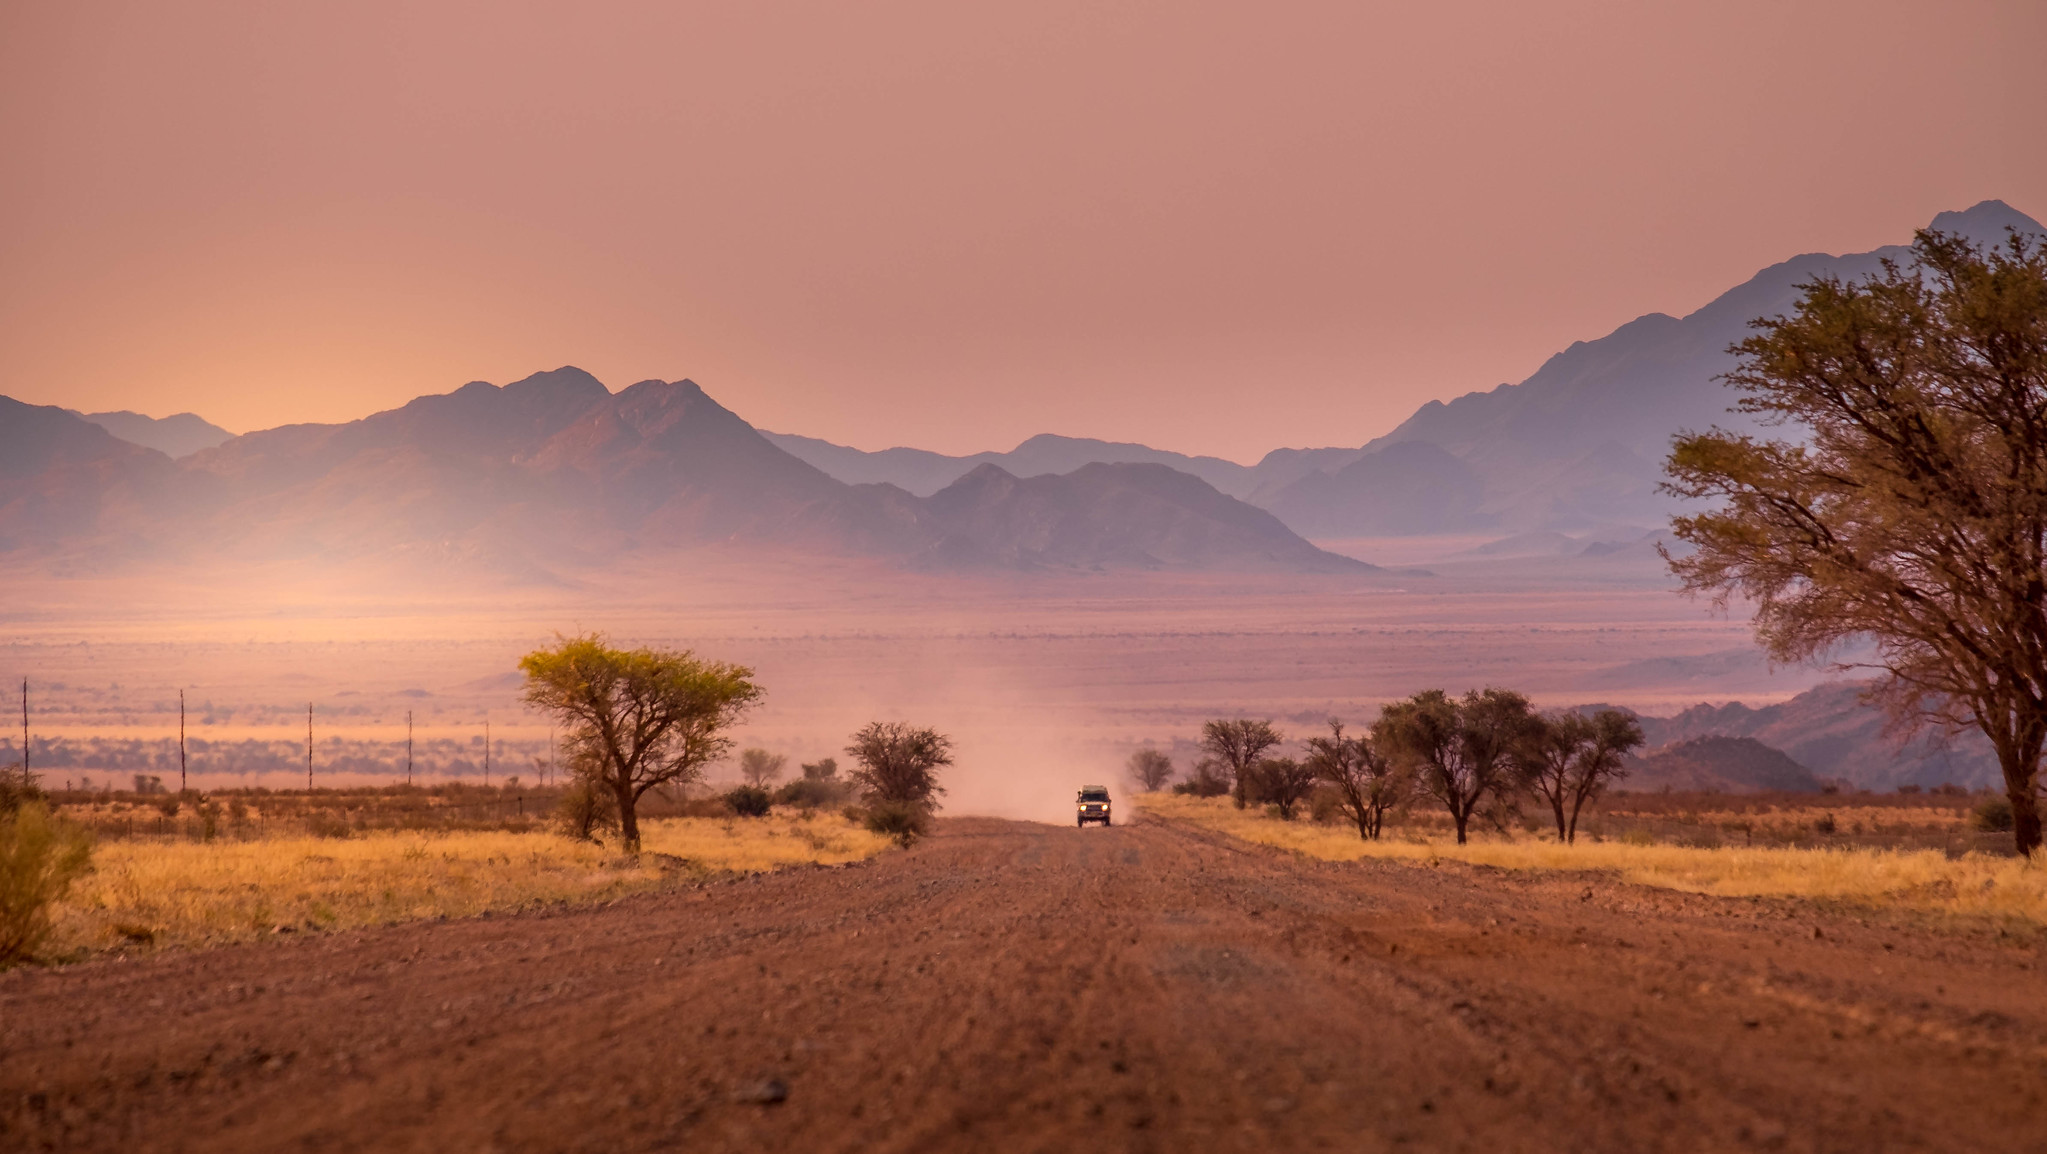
(1325, 805)
(586, 808)
(904, 821)
(1993, 814)
(15, 793)
(40, 856)
(1207, 780)
(813, 792)
(749, 801)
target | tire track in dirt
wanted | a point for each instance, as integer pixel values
(1021, 987)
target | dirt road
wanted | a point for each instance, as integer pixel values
(1018, 987)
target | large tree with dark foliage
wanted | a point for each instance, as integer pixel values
(1908, 502)
(1460, 749)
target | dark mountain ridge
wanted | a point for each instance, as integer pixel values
(1719, 764)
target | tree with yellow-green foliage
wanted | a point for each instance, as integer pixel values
(638, 718)
(1909, 505)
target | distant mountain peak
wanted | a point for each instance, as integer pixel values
(1986, 220)
(178, 435)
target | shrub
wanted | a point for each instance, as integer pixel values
(586, 807)
(811, 792)
(40, 856)
(749, 801)
(904, 821)
(15, 793)
(1208, 780)
(1825, 825)
(1993, 814)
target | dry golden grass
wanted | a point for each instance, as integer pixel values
(187, 893)
(1920, 880)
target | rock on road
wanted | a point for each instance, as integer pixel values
(1007, 986)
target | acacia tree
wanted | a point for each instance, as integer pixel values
(899, 774)
(1236, 746)
(899, 762)
(1569, 759)
(1459, 749)
(760, 768)
(638, 718)
(1368, 783)
(1150, 769)
(1911, 505)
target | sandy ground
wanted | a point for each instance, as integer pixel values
(1011, 986)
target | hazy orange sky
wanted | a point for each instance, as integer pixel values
(1211, 227)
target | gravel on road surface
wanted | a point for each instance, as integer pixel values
(1010, 986)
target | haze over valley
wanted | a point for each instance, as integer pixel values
(1063, 602)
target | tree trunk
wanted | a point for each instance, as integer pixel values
(628, 819)
(1364, 822)
(2025, 819)
(1563, 831)
(2021, 784)
(1462, 817)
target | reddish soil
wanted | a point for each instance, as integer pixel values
(1022, 987)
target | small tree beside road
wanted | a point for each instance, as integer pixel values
(638, 718)
(1459, 749)
(1237, 745)
(1150, 769)
(1368, 783)
(899, 774)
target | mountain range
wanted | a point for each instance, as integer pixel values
(178, 435)
(556, 469)
(558, 465)
(1577, 445)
